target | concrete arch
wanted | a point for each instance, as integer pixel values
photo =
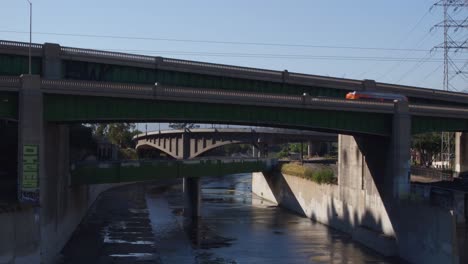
(194, 150)
(198, 152)
(166, 151)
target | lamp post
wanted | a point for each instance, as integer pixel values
(30, 33)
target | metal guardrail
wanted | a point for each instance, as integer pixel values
(431, 173)
(187, 161)
(125, 90)
(428, 91)
(232, 71)
(91, 88)
(228, 70)
(10, 83)
(222, 66)
(16, 44)
(444, 111)
(106, 54)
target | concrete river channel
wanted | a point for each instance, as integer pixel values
(145, 223)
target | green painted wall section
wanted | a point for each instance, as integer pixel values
(424, 124)
(59, 108)
(8, 105)
(153, 170)
(126, 74)
(15, 65)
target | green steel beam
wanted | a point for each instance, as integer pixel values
(424, 124)
(154, 170)
(8, 105)
(67, 108)
(126, 74)
(115, 73)
(15, 65)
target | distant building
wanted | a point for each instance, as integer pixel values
(106, 150)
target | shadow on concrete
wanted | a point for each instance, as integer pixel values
(283, 192)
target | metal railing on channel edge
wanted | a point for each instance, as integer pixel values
(431, 173)
(97, 172)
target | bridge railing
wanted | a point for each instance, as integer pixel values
(10, 83)
(431, 173)
(100, 56)
(95, 172)
(93, 88)
(443, 111)
(20, 48)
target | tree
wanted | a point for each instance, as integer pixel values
(120, 134)
(183, 125)
(427, 144)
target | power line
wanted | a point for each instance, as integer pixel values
(401, 41)
(213, 41)
(430, 74)
(405, 59)
(276, 56)
(420, 62)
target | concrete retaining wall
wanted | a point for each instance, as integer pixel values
(21, 234)
(37, 235)
(351, 212)
(363, 206)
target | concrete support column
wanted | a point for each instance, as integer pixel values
(30, 139)
(400, 150)
(192, 197)
(51, 61)
(255, 151)
(326, 148)
(184, 146)
(312, 148)
(30, 170)
(461, 152)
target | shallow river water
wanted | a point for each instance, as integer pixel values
(144, 223)
(238, 227)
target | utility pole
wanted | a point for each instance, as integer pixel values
(30, 34)
(450, 45)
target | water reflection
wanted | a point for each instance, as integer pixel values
(237, 227)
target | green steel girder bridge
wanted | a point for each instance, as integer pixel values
(81, 85)
(144, 170)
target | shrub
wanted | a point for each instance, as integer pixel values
(320, 176)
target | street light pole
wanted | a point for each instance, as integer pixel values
(30, 34)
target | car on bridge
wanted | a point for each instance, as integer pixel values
(375, 96)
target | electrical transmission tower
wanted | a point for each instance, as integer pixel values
(452, 23)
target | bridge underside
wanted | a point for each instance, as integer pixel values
(66, 108)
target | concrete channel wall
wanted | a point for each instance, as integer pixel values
(24, 240)
(37, 234)
(411, 229)
(356, 213)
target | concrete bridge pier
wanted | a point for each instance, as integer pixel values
(385, 160)
(461, 152)
(51, 208)
(192, 198)
(255, 152)
(313, 148)
(400, 144)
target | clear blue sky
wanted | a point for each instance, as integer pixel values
(397, 24)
